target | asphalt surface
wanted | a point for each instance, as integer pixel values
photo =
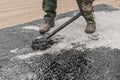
(74, 56)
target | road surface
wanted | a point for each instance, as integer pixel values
(75, 55)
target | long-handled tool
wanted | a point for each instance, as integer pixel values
(41, 43)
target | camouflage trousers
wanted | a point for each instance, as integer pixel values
(85, 6)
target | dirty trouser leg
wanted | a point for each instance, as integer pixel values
(49, 6)
(86, 8)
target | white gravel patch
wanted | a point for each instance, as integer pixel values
(14, 50)
(31, 28)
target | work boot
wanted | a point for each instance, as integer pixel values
(91, 23)
(91, 28)
(46, 27)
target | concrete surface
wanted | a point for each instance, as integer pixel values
(75, 56)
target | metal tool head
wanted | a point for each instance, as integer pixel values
(41, 43)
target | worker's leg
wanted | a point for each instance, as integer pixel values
(86, 9)
(49, 6)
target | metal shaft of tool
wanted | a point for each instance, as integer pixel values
(64, 25)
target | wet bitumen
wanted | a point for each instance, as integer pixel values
(70, 65)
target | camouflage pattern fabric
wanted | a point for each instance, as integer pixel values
(85, 6)
(49, 6)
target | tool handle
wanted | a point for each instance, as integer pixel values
(64, 25)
